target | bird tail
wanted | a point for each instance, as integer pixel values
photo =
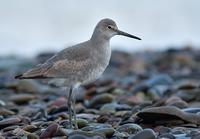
(20, 76)
(35, 73)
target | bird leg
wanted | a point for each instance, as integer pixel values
(70, 107)
(74, 109)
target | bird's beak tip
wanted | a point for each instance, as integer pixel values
(127, 35)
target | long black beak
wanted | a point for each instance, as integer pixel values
(127, 35)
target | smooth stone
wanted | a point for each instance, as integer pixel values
(32, 136)
(87, 116)
(118, 91)
(162, 79)
(177, 102)
(167, 114)
(95, 126)
(108, 108)
(189, 95)
(30, 128)
(196, 136)
(162, 129)
(145, 134)
(61, 101)
(85, 135)
(82, 123)
(55, 110)
(29, 86)
(101, 99)
(108, 132)
(19, 132)
(186, 85)
(2, 103)
(129, 128)
(6, 112)
(22, 98)
(191, 110)
(167, 136)
(113, 107)
(50, 131)
(9, 121)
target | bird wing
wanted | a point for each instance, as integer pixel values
(67, 62)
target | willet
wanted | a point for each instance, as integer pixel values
(79, 64)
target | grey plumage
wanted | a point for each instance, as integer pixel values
(81, 63)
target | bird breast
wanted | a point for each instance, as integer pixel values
(100, 60)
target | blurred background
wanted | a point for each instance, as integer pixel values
(28, 27)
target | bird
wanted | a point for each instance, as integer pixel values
(79, 64)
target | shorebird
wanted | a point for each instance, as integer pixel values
(79, 64)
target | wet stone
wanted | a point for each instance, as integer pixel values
(101, 99)
(129, 128)
(162, 129)
(50, 131)
(85, 135)
(9, 121)
(96, 126)
(82, 123)
(32, 136)
(167, 114)
(107, 132)
(22, 98)
(6, 112)
(145, 134)
(177, 102)
(30, 86)
(167, 136)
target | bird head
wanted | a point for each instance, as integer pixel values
(107, 28)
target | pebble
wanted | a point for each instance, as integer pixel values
(101, 99)
(50, 131)
(9, 121)
(85, 135)
(166, 114)
(145, 134)
(22, 98)
(107, 132)
(167, 136)
(129, 128)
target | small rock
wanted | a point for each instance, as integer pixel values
(82, 123)
(9, 121)
(101, 99)
(30, 128)
(6, 112)
(22, 98)
(50, 131)
(30, 86)
(108, 132)
(177, 102)
(58, 102)
(145, 134)
(189, 95)
(166, 114)
(129, 128)
(96, 126)
(167, 136)
(32, 136)
(162, 129)
(85, 135)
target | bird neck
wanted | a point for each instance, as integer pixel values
(100, 42)
(99, 36)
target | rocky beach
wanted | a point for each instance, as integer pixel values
(144, 95)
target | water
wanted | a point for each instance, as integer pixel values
(31, 26)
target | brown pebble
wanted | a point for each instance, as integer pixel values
(50, 131)
(9, 121)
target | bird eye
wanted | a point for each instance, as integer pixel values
(109, 27)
